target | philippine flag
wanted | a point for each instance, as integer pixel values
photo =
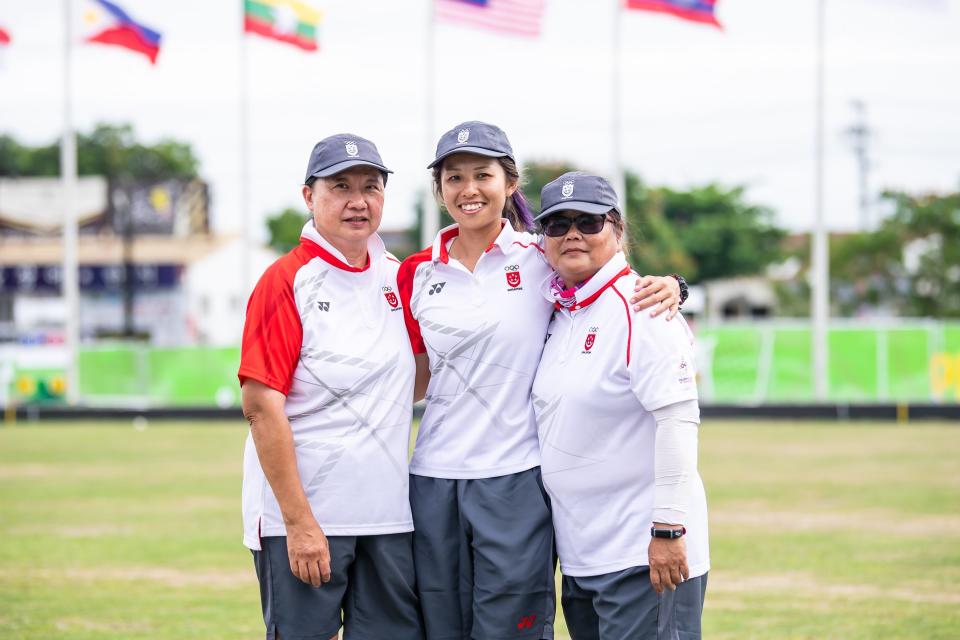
(106, 23)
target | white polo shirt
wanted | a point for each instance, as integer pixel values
(603, 371)
(483, 333)
(331, 337)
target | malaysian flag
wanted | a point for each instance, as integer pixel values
(513, 17)
(695, 10)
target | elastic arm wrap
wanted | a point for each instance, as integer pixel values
(675, 460)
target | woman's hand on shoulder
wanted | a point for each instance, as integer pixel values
(662, 291)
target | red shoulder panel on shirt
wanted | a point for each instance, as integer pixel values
(408, 269)
(272, 333)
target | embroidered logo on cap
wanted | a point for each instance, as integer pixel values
(352, 149)
(567, 190)
(463, 135)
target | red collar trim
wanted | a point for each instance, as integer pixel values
(329, 258)
(444, 239)
(593, 298)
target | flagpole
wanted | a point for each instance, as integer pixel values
(820, 298)
(68, 188)
(619, 180)
(430, 221)
(244, 191)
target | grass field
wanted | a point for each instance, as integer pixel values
(848, 531)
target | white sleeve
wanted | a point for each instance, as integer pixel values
(662, 366)
(675, 460)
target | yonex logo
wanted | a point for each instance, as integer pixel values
(436, 287)
(323, 306)
(526, 622)
(351, 149)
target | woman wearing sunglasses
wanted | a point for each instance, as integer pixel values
(483, 541)
(616, 404)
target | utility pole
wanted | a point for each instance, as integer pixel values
(859, 134)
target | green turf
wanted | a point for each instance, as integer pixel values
(845, 531)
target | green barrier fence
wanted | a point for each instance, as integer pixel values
(739, 363)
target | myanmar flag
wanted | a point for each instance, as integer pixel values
(288, 21)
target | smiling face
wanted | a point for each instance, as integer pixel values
(474, 189)
(347, 207)
(577, 256)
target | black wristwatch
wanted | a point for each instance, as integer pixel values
(684, 290)
(670, 534)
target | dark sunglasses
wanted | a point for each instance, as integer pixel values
(589, 224)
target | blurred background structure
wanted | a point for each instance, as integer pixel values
(741, 132)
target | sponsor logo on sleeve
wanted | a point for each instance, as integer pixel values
(684, 370)
(513, 277)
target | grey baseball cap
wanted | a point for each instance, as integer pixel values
(336, 153)
(578, 191)
(473, 137)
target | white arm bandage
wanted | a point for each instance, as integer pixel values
(675, 460)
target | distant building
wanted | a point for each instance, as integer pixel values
(135, 243)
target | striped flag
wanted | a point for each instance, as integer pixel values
(512, 17)
(107, 23)
(289, 21)
(694, 10)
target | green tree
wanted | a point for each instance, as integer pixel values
(704, 232)
(723, 234)
(284, 228)
(109, 150)
(910, 264)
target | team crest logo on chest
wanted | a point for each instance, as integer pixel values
(513, 276)
(391, 297)
(591, 339)
(351, 149)
(463, 135)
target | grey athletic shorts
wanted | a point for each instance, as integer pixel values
(623, 604)
(371, 582)
(484, 555)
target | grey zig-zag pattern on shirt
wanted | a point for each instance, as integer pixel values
(362, 417)
(423, 273)
(312, 286)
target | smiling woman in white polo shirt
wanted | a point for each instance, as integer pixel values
(483, 539)
(617, 414)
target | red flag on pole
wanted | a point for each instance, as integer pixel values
(694, 10)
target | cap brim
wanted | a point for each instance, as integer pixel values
(576, 205)
(480, 151)
(346, 164)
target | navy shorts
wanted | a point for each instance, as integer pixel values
(371, 582)
(623, 604)
(485, 557)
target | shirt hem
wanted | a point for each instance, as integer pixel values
(253, 542)
(696, 570)
(660, 403)
(470, 474)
